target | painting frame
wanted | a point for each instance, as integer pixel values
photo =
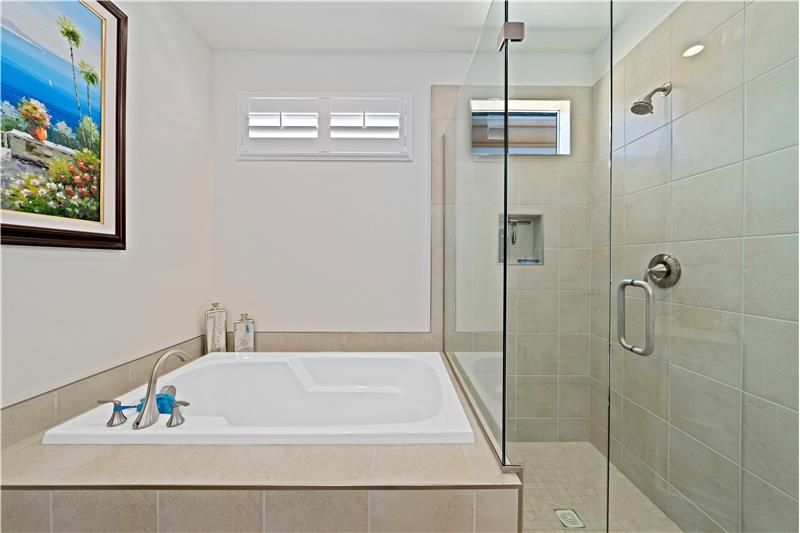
(31, 235)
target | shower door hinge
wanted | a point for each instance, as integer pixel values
(510, 31)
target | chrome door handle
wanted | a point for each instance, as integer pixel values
(650, 302)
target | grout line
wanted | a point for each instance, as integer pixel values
(158, 511)
(264, 511)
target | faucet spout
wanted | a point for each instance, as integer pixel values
(149, 413)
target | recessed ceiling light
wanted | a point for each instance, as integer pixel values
(693, 50)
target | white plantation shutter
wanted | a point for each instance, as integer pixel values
(325, 127)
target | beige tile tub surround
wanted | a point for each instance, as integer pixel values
(220, 511)
(26, 418)
(707, 426)
(260, 488)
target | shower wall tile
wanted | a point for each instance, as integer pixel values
(769, 442)
(770, 359)
(573, 396)
(647, 215)
(706, 410)
(768, 288)
(574, 312)
(537, 354)
(537, 396)
(718, 69)
(708, 206)
(646, 162)
(646, 436)
(573, 354)
(687, 516)
(709, 137)
(708, 479)
(771, 35)
(722, 386)
(651, 484)
(692, 21)
(711, 274)
(25, 511)
(210, 510)
(771, 193)
(646, 382)
(707, 341)
(766, 509)
(771, 105)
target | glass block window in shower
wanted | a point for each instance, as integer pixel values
(535, 127)
(524, 239)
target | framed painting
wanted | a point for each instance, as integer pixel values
(62, 121)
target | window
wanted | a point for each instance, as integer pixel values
(376, 127)
(535, 127)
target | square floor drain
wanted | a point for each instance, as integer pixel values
(569, 518)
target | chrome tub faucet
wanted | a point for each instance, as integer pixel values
(149, 413)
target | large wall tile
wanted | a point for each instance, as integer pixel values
(693, 21)
(25, 511)
(647, 161)
(433, 510)
(537, 354)
(771, 35)
(210, 510)
(771, 193)
(708, 479)
(708, 206)
(575, 226)
(769, 442)
(345, 511)
(714, 71)
(770, 359)
(705, 409)
(573, 396)
(536, 429)
(496, 511)
(574, 271)
(711, 274)
(765, 509)
(646, 436)
(709, 137)
(536, 396)
(27, 418)
(537, 311)
(652, 485)
(647, 215)
(687, 516)
(707, 341)
(81, 396)
(771, 105)
(574, 312)
(573, 354)
(769, 289)
(104, 511)
(645, 381)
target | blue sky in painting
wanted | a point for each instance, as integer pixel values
(34, 57)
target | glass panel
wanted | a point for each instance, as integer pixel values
(557, 332)
(706, 426)
(473, 234)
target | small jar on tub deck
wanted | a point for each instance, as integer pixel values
(216, 329)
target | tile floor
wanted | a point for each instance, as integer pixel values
(572, 475)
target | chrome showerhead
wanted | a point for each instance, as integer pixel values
(644, 106)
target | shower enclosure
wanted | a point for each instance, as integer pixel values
(621, 293)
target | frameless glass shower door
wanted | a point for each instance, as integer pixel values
(621, 260)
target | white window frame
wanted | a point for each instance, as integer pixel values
(389, 140)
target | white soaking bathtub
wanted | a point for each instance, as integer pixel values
(293, 398)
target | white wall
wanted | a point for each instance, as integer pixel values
(70, 313)
(325, 246)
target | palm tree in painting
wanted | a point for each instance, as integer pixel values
(91, 78)
(73, 37)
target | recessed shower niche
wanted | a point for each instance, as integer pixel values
(525, 240)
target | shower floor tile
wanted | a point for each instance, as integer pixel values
(572, 475)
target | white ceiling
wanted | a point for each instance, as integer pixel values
(375, 26)
(397, 26)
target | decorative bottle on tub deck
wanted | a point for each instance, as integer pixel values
(216, 329)
(244, 337)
